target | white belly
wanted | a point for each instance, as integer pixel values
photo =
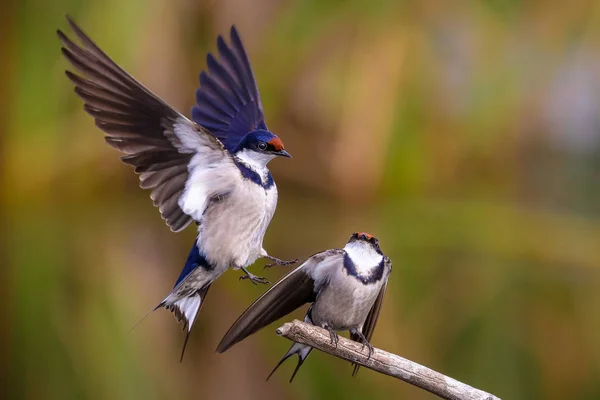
(232, 230)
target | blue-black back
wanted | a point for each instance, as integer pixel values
(195, 259)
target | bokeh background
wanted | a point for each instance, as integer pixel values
(465, 135)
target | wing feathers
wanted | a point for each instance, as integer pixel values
(93, 89)
(165, 191)
(371, 321)
(212, 92)
(289, 293)
(141, 125)
(146, 160)
(149, 180)
(178, 220)
(93, 69)
(228, 102)
(247, 75)
(224, 78)
(132, 145)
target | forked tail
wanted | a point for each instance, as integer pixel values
(186, 310)
(301, 350)
(189, 292)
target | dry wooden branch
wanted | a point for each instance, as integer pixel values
(383, 362)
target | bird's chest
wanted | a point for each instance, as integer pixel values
(233, 227)
(345, 303)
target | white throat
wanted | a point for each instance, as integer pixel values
(363, 255)
(255, 160)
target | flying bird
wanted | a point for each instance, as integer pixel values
(345, 286)
(210, 169)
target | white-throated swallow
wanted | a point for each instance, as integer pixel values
(345, 286)
(210, 169)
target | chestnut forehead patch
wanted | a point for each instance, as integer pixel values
(367, 235)
(276, 143)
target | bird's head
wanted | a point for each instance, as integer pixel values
(259, 147)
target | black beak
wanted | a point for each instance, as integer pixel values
(284, 153)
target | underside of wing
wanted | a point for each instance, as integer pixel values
(290, 292)
(228, 102)
(137, 123)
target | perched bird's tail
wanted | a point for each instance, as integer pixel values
(301, 350)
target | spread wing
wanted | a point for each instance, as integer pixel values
(164, 146)
(369, 324)
(290, 292)
(228, 102)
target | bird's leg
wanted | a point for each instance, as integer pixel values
(253, 278)
(333, 336)
(363, 339)
(277, 261)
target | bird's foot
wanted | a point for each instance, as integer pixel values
(333, 336)
(369, 347)
(365, 342)
(253, 278)
(277, 261)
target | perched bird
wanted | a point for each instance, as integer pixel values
(211, 169)
(345, 286)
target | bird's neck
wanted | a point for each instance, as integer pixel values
(257, 162)
(364, 257)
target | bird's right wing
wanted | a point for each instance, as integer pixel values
(290, 292)
(166, 148)
(369, 325)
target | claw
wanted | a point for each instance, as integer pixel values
(256, 279)
(253, 278)
(277, 261)
(365, 342)
(333, 336)
(369, 347)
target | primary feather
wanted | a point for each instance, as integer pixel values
(228, 103)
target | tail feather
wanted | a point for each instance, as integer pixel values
(189, 292)
(144, 317)
(301, 350)
(186, 310)
(187, 336)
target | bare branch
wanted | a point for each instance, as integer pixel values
(383, 362)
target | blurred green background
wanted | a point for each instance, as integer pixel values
(464, 135)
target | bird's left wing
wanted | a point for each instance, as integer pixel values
(290, 292)
(228, 102)
(164, 146)
(369, 324)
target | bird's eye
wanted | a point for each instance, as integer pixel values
(262, 146)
